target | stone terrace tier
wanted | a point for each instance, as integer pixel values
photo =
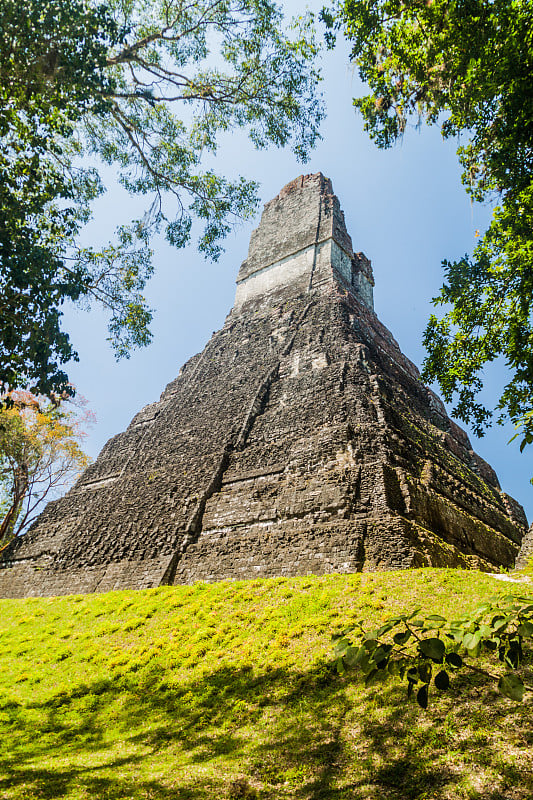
(300, 440)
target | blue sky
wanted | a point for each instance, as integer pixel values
(405, 208)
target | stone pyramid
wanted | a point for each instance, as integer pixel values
(299, 441)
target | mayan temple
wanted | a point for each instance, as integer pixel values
(300, 440)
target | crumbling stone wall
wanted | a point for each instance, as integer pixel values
(300, 440)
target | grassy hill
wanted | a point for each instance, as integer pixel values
(226, 691)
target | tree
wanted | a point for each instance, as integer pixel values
(40, 455)
(146, 86)
(52, 68)
(466, 66)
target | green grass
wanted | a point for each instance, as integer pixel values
(226, 691)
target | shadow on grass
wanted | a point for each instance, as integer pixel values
(470, 744)
(287, 734)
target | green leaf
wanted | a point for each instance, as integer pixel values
(471, 641)
(364, 660)
(456, 634)
(424, 670)
(353, 656)
(422, 696)
(433, 648)
(383, 651)
(511, 686)
(394, 667)
(412, 674)
(498, 623)
(525, 629)
(342, 646)
(437, 620)
(513, 656)
(454, 660)
(402, 637)
(385, 629)
(442, 680)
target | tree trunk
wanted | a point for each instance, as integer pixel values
(20, 487)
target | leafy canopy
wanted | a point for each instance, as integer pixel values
(52, 62)
(465, 65)
(187, 72)
(147, 87)
(40, 454)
